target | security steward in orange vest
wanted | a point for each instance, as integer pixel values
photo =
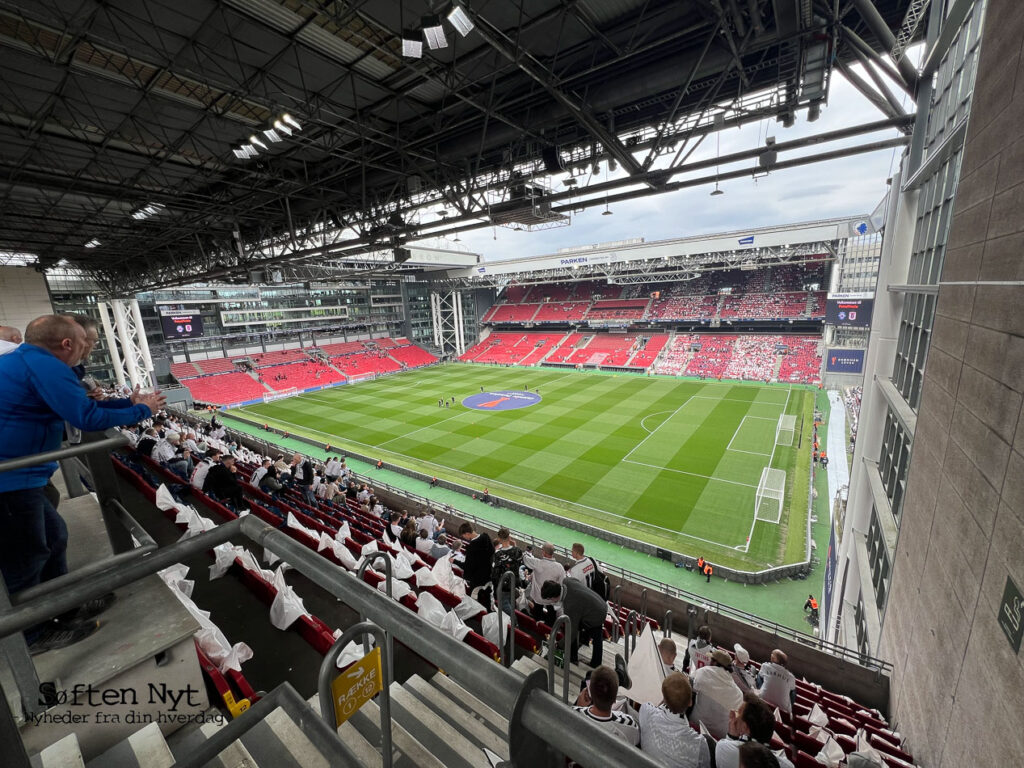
(700, 564)
(708, 570)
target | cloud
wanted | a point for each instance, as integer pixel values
(846, 187)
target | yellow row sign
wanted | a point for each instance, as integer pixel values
(357, 685)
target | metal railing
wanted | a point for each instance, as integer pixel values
(535, 717)
(566, 626)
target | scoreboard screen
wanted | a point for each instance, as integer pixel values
(182, 326)
(855, 313)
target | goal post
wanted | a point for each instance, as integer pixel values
(281, 394)
(785, 430)
(770, 492)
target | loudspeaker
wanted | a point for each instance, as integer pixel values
(552, 160)
(402, 255)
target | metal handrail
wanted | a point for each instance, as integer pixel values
(21, 462)
(561, 621)
(328, 667)
(616, 611)
(632, 621)
(643, 602)
(507, 654)
(666, 624)
(372, 558)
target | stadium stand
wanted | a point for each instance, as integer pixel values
(648, 351)
(411, 356)
(617, 309)
(225, 388)
(561, 312)
(744, 356)
(278, 357)
(514, 313)
(301, 375)
(566, 348)
(216, 365)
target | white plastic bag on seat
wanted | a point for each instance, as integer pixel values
(399, 589)
(343, 532)
(287, 606)
(401, 565)
(491, 632)
(443, 572)
(454, 626)
(369, 548)
(469, 608)
(430, 608)
(352, 652)
(425, 578)
(817, 716)
(831, 754)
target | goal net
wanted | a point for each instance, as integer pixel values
(355, 378)
(280, 395)
(785, 430)
(770, 490)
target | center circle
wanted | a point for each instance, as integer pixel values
(501, 400)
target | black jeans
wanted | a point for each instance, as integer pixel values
(594, 634)
(34, 542)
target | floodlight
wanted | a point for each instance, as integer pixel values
(92, 243)
(434, 32)
(241, 154)
(459, 19)
(254, 140)
(291, 121)
(412, 44)
(272, 135)
(282, 128)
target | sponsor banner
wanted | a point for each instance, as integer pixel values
(845, 361)
(849, 313)
(831, 566)
(187, 325)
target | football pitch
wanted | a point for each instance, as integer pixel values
(671, 462)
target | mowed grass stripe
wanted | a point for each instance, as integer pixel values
(567, 452)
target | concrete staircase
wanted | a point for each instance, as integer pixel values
(255, 377)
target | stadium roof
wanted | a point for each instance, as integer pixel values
(157, 143)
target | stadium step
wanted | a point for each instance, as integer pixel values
(278, 740)
(460, 716)
(464, 698)
(435, 732)
(145, 748)
(368, 754)
(186, 740)
(407, 751)
(61, 754)
(256, 377)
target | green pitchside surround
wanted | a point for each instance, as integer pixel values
(672, 462)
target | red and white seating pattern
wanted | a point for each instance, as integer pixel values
(744, 356)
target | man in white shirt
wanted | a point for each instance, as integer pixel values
(595, 703)
(666, 735)
(716, 695)
(584, 567)
(545, 568)
(10, 338)
(165, 449)
(776, 684)
(753, 721)
(259, 473)
(333, 468)
(698, 650)
(424, 543)
(203, 469)
(427, 523)
(364, 495)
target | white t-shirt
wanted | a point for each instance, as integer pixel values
(669, 739)
(427, 523)
(424, 545)
(163, 451)
(544, 569)
(715, 694)
(700, 654)
(258, 474)
(776, 684)
(199, 474)
(727, 754)
(583, 570)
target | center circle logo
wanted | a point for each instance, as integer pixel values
(504, 400)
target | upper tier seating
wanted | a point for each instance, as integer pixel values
(561, 312)
(216, 365)
(278, 357)
(342, 349)
(225, 388)
(513, 313)
(184, 370)
(618, 309)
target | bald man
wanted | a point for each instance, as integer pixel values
(39, 392)
(10, 338)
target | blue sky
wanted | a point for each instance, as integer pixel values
(839, 188)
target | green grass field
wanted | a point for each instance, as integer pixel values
(668, 461)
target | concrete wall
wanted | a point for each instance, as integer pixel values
(23, 296)
(958, 686)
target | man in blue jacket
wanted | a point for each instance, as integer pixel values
(38, 392)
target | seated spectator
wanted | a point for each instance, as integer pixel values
(165, 449)
(753, 721)
(743, 672)
(182, 463)
(259, 473)
(667, 736)
(270, 482)
(754, 755)
(440, 547)
(282, 467)
(596, 700)
(203, 467)
(698, 650)
(667, 650)
(409, 534)
(147, 442)
(222, 483)
(424, 543)
(776, 684)
(428, 523)
(715, 695)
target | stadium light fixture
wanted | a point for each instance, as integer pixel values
(412, 44)
(434, 32)
(241, 154)
(92, 243)
(255, 141)
(282, 128)
(459, 19)
(291, 121)
(271, 135)
(150, 209)
(716, 191)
